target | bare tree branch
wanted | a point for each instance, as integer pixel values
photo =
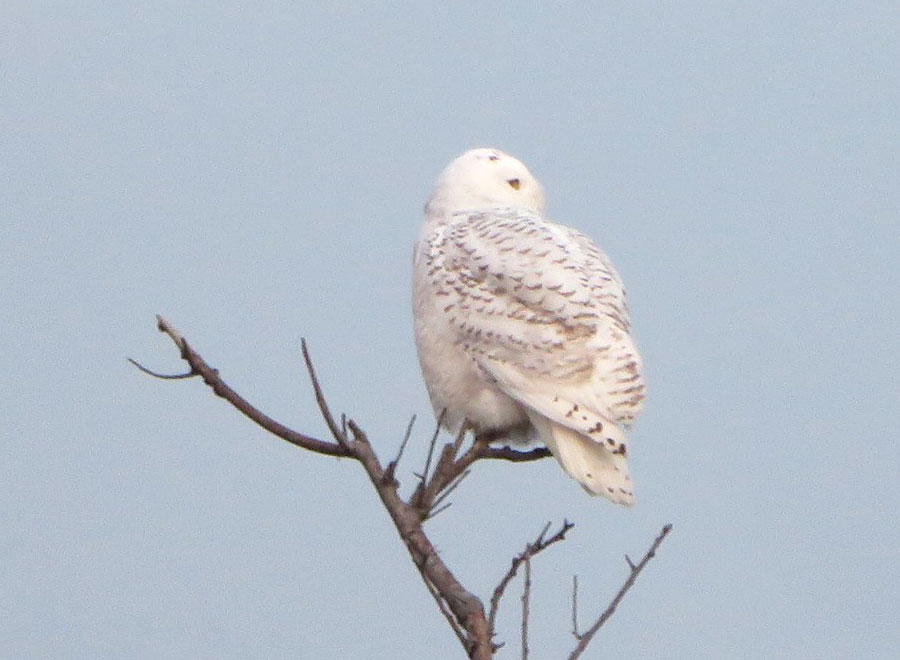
(526, 595)
(465, 607)
(533, 548)
(463, 610)
(336, 432)
(392, 466)
(575, 632)
(211, 377)
(449, 489)
(442, 606)
(586, 638)
(431, 445)
(513, 455)
(156, 374)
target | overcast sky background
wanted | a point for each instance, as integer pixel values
(256, 173)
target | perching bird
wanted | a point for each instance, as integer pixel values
(521, 324)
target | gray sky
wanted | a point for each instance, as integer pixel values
(257, 174)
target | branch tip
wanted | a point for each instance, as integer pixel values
(212, 378)
(588, 635)
(325, 411)
(156, 374)
(531, 549)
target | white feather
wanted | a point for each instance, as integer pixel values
(522, 323)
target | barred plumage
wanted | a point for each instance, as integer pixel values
(521, 324)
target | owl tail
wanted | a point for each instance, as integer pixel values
(599, 471)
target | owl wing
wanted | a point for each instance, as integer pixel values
(542, 311)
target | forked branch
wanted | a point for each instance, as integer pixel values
(634, 570)
(540, 544)
(462, 609)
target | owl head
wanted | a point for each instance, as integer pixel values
(485, 178)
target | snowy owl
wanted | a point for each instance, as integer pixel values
(521, 324)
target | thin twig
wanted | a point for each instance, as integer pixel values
(434, 436)
(531, 549)
(629, 582)
(466, 609)
(509, 454)
(575, 632)
(444, 472)
(392, 466)
(449, 466)
(526, 594)
(212, 378)
(156, 374)
(460, 436)
(540, 539)
(442, 606)
(465, 606)
(336, 432)
(449, 489)
(431, 515)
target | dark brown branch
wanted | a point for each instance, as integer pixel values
(211, 377)
(575, 632)
(337, 433)
(445, 472)
(449, 489)
(586, 638)
(526, 595)
(462, 609)
(431, 446)
(533, 548)
(156, 374)
(442, 606)
(450, 465)
(466, 607)
(392, 466)
(509, 454)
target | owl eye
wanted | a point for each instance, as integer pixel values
(513, 183)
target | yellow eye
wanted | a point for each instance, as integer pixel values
(513, 183)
